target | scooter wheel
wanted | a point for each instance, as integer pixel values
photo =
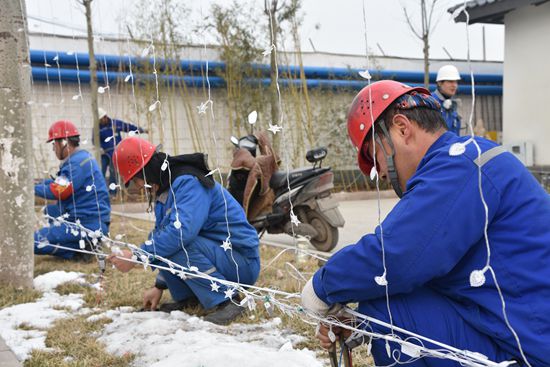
(327, 235)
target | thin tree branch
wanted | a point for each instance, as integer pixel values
(409, 22)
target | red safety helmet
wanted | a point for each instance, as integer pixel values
(62, 129)
(131, 155)
(383, 93)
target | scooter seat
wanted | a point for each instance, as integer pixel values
(279, 178)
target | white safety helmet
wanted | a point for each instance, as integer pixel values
(101, 112)
(447, 72)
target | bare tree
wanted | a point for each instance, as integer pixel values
(16, 216)
(93, 78)
(427, 26)
(277, 12)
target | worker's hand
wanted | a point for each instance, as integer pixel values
(312, 303)
(120, 262)
(323, 332)
(151, 298)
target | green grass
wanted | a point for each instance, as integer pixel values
(72, 340)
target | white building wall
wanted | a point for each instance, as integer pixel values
(527, 80)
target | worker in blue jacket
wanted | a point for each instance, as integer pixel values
(447, 86)
(80, 193)
(198, 224)
(110, 136)
(437, 271)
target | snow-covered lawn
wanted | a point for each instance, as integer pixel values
(155, 338)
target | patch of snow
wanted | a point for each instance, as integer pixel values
(163, 340)
(39, 315)
(49, 281)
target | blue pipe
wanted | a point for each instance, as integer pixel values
(72, 76)
(193, 66)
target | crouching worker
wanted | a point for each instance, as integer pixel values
(80, 193)
(433, 262)
(194, 216)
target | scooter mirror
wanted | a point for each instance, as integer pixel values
(235, 141)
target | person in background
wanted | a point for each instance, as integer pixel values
(80, 192)
(447, 86)
(110, 136)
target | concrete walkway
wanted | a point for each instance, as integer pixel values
(361, 217)
(7, 358)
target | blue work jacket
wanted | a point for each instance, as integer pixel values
(89, 200)
(434, 237)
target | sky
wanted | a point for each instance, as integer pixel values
(328, 26)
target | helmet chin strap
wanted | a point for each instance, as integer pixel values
(392, 172)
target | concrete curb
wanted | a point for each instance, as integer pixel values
(7, 357)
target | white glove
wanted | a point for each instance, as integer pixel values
(312, 303)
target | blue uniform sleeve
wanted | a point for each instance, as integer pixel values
(127, 127)
(427, 233)
(43, 190)
(193, 205)
(74, 170)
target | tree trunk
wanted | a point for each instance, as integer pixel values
(16, 185)
(93, 80)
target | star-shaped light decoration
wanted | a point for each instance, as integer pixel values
(294, 218)
(226, 245)
(215, 287)
(203, 107)
(181, 275)
(229, 293)
(268, 50)
(274, 128)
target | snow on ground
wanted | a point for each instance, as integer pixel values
(157, 339)
(49, 281)
(178, 339)
(38, 316)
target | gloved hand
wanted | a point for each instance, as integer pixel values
(314, 304)
(151, 298)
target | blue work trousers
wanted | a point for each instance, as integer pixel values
(61, 235)
(431, 315)
(209, 258)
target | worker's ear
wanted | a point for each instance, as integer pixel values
(403, 127)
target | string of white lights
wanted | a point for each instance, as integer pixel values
(477, 277)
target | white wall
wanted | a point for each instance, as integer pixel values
(526, 97)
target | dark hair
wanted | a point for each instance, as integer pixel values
(74, 140)
(426, 118)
